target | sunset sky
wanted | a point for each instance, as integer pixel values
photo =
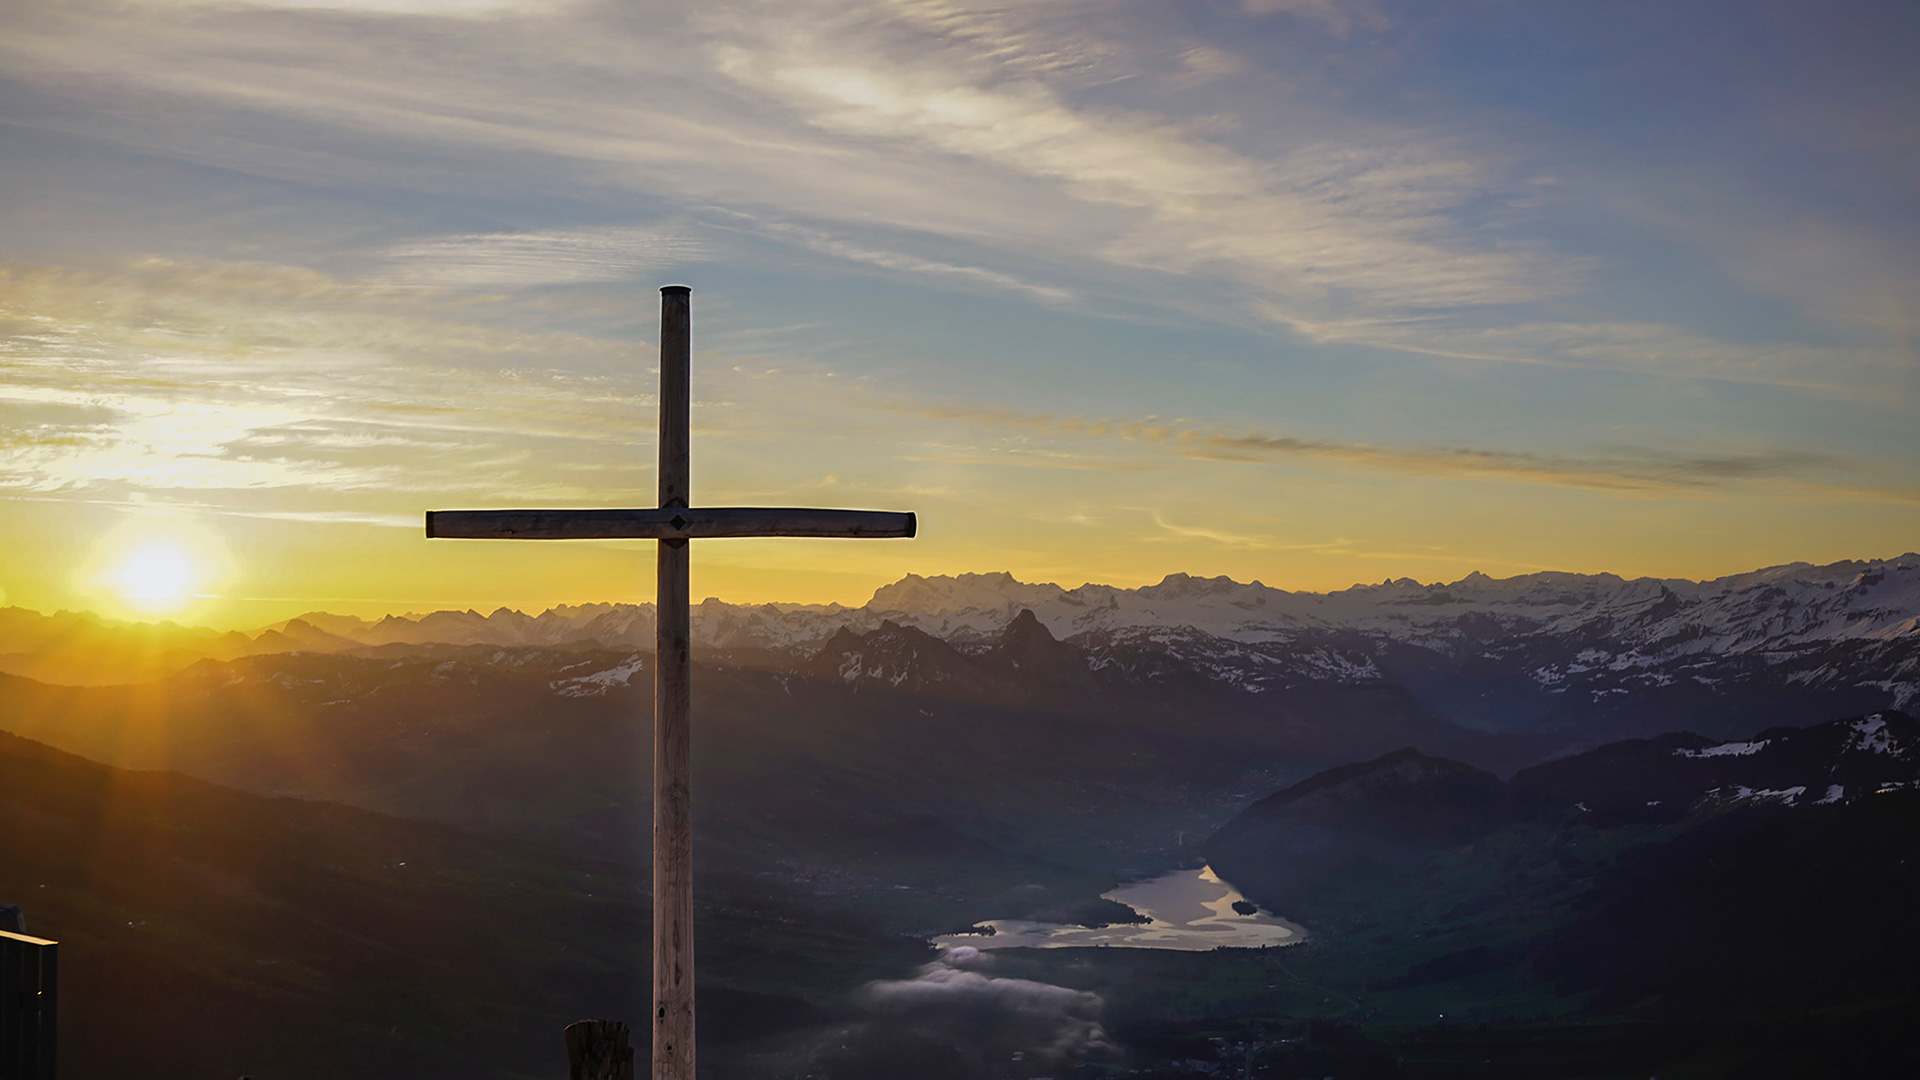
(1309, 291)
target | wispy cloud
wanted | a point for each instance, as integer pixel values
(819, 240)
(173, 445)
(877, 132)
(951, 119)
(1219, 536)
(1355, 223)
(1643, 469)
(1338, 17)
(551, 257)
(1200, 64)
(1646, 469)
(437, 8)
(1659, 350)
(169, 376)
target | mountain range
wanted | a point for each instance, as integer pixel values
(1587, 658)
(1406, 804)
(1462, 791)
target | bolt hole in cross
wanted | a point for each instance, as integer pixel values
(673, 522)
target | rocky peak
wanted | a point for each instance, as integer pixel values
(1025, 633)
(893, 655)
(1037, 658)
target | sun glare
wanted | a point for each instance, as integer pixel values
(156, 576)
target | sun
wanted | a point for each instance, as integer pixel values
(158, 562)
(156, 576)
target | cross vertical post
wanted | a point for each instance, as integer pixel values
(674, 522)
(672, 704)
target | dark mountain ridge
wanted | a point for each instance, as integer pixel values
(1392, 811)
(209, 932)
(1760, 930)
(205, 931)
(1802, 910)
(1403, 807)
(1666, 778)
(1024, 664)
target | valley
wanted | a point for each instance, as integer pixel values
(1474, 801)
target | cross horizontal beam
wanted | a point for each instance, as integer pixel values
(684, 523)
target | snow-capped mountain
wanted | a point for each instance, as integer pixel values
(1595, 653)
(1779, 608)
(1596, 656)
(1511, 652)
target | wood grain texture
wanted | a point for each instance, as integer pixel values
(598, 1050)
(672, 720)
(673, 822)
(695, 523)
(676, 395)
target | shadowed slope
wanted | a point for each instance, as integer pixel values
(1390, 811)
(207, 932)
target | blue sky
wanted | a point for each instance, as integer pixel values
(1304, 290)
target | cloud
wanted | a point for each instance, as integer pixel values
(1660, 350)
(1025, 458)
(1038, 37)
(1337, 17)
(327, 517)
(840, 248)
(899, 134)
(1200, 64)
(437, 8)
(964, 144)
(1350, 223)
(1225, 538)
(552, 257)
(1639, 469)
(1625, 469)
(161, 375)
(878, 131)
(994, 1016)
(955, 120)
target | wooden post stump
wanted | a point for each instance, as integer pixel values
(29, 1006)
(598, 1050)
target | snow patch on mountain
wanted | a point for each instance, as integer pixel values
(1871, 735)
(600, 682)
(1740, 793)
(1732, 749)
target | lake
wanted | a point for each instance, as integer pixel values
(1191, 910)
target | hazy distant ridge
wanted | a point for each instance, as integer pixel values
(1780, 606)
(1848, 627)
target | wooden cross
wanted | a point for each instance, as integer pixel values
(674, 522)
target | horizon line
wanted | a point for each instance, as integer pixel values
(415, 615)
